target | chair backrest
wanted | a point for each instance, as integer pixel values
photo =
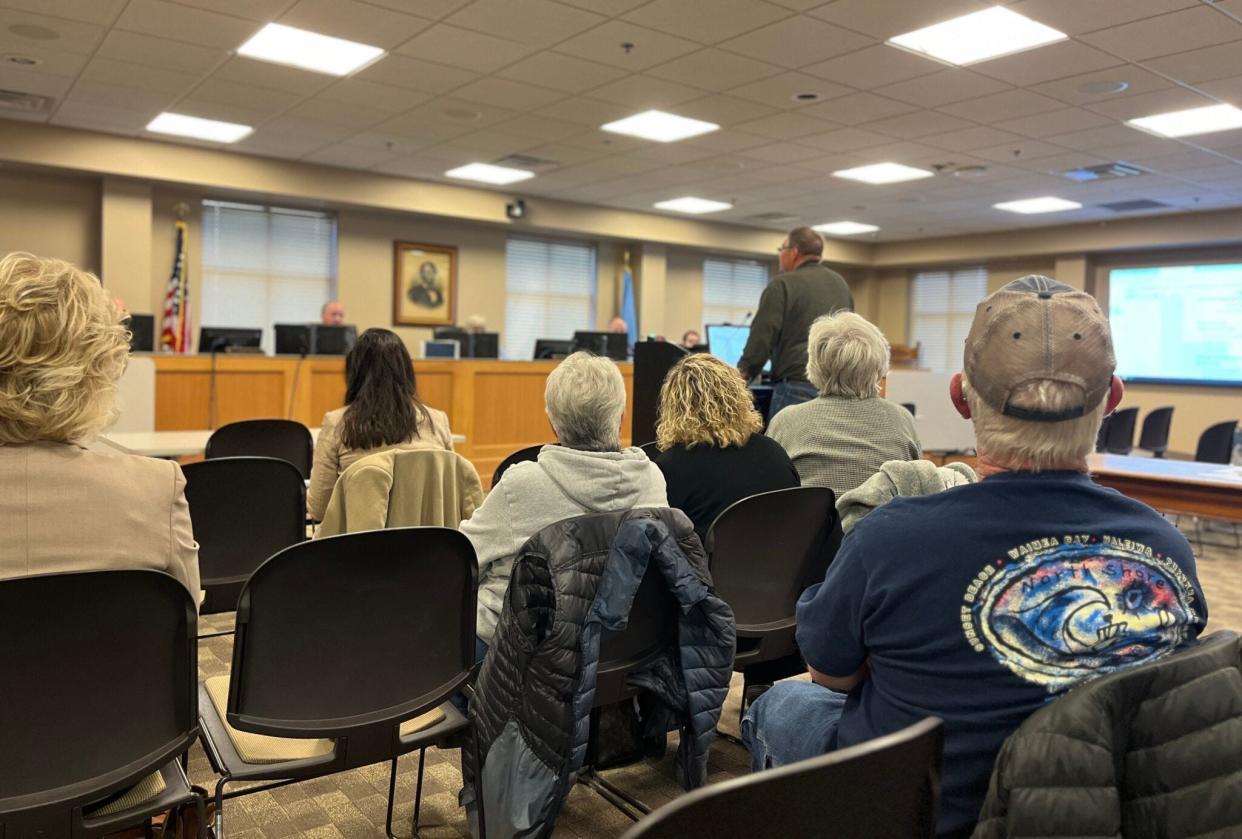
(282, 438)
(1101, 436)
(244, 509)
(1120, 438)
(887, 787)
(1155, 434)
(98, 681)
(651, 628)
(766, 549)
(340, 635)
(1216, 444)
(530, 453)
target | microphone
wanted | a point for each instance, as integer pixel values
(746, 320)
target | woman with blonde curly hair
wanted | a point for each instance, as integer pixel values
(64, 507)
(712, 451)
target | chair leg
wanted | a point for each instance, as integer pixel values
(418, 790)
(392, 792)
(201, 806)
(219, 820)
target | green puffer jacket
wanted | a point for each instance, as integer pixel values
(1151, 752)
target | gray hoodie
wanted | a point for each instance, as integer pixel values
(563, 483)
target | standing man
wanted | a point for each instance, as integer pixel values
(332, 314)
(804, 290)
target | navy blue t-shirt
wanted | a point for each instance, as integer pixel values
(981, 603)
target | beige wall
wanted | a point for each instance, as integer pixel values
(50, 215)
(683, 295)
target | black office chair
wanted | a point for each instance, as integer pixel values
(97, 701)
(347, 651)
(887, 787)
(285, 439)
(1120, 438)
(1216, 443)
(244, 509)
(528, 454)
(652, 450)
(763, 552)
(1154, 436)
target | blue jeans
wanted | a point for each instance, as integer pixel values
(792, 721)
(785, 394)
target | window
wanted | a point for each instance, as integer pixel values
(731, 289)
(942, 306)
(265, 265)
(550, 292)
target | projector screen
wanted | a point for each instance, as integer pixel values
(1177, 323)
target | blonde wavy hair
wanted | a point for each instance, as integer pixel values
(63, 346)
(705, 401)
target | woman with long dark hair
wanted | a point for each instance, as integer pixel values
(382, 411)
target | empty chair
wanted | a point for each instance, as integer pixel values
(97, 701)
(1120, 438)
(888, 787)
(1216, 444)
(530, 453)
(285, 439)
(244, 509)
(346, 653)
(1154, 437)
(761, 570)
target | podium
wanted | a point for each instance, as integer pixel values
(652, 361)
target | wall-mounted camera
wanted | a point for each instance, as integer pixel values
(516, 209)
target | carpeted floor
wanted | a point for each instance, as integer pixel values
(352, 804)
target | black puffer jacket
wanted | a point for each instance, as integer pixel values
(571, 582)
(1151, 752)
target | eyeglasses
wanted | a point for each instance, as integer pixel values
(784, 248)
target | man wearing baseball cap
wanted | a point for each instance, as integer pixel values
(980, 604)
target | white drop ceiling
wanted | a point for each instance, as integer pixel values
(478, 80)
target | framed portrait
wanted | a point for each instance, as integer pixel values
(424, 284)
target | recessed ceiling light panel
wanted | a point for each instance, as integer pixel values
(181, 125)
(282, 44)
(845, 228)
(979, 36)
(883, 173)
(1192, 121)
(695, 206)
(489, 174)
(1045, 204)
(660, 126)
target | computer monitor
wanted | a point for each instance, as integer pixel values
(441, 349)
(614, 345)
(333, 340)
(546, 348)
(728, 341)
(219, 338)
(294, 339)
(473, 344)
(141, 333)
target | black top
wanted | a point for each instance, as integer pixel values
(787, 307)
(704, 480)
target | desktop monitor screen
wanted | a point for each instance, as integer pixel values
(485, 345)
(546, 348)
(334, 340)
(217, 338)
(614, 345)
(727, 343)
(293, 339)
(441, 349)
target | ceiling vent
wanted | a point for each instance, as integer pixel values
(1135, 206)
(1104, 172)
(772, 218)
(27, 103)
(526, 161)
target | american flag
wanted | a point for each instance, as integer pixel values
(175, 334)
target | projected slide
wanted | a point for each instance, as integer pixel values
(727, 343)
(1177, 323)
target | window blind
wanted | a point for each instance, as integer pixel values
(942, 306)
(550, 292)
(265, 265)
(731, 289)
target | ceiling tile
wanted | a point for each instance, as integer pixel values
(416, 74)
(285, 144)
(536, 22)
(421, 127)
(505, 93)
(29, 81)
(353, 116)
(434, 9)
(729, 140)
(873, 67)
(844, 139)
(493, 144)
(1075, 18)
(785, 126)
(782, 152)
(713, 69)
(797, 41)
(1200, 65)
(1146, 104)
(561, 72)
(183, 23)
(1069, 90)
(1054, 122)
(1008, 104)
(1097, 138)
(227, 111)
(1201, 26)
(1019, 150)
(355, 21)
(96, 117)
(884, 19)
(385, 97)
(1230, 89)
(603, 43)
(1055, 61)
(606, 7)
(463, 48)
(540, 127)
(563, 154)
(389, 142)
(779, 91)
(936, 89)
(689, 18)
(968, 139)
(247, 71)
(858, 107)
(248, 96)
(52, 61)
(108, 71)
(101, 12)
(74, 36)
(645, 92)
(151, 51)
(918, 124)
(256, 10)
(586, 111)
(350, 156)
(294, 126)
(122, 96)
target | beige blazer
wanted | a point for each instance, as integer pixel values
(65, 508)
(332, 457)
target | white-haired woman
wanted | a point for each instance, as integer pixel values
(843, 437)
(588, 472)
(63, 507)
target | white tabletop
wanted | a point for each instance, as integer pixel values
(1162, 469)
(179, 443)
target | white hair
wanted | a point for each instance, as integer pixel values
(846, 355)
(1031, 445)
(585, 400)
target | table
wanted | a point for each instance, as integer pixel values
(1177, 486)
(179, 443)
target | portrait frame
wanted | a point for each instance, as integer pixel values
(423, 296)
